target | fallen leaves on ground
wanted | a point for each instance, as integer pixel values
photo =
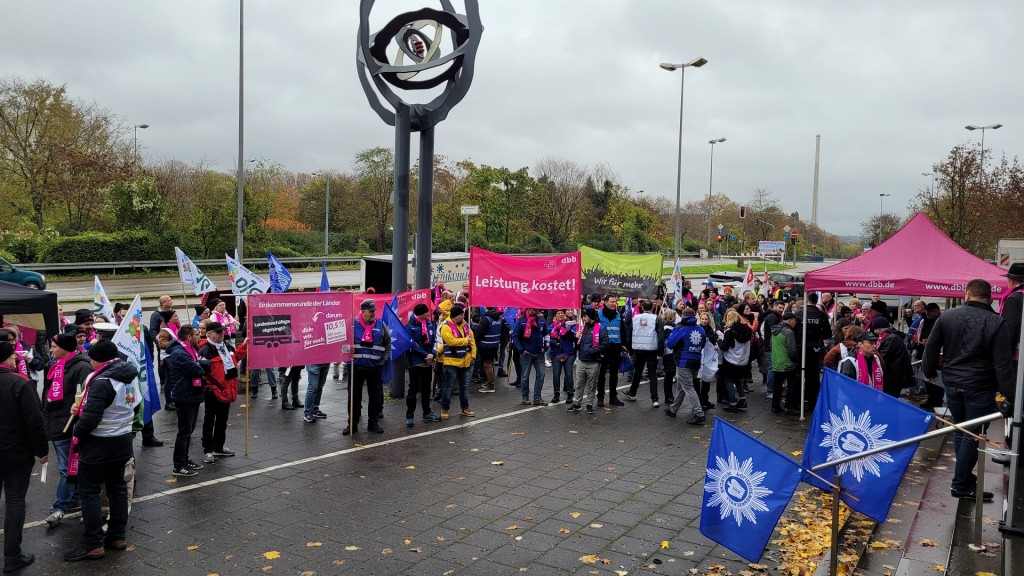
(307, 573)
(797, 453)
(596, 525)
(939, 567)
(410, 467)
(758, 567)
(351, 548)
(439, 538)
(512, 527)
(575, 514)
(416, 550)
(193, 547)
(806, 532)
(338, 562)
(664, 544)
(407, 541)
(498, 463)
(929, 543)
(171, 481)
(688, 553)
(386, 551)
(272, 555)
(984, 574)
(573, 432)
(564, 530)
(314, 544)
(589, 559)
(518, 433)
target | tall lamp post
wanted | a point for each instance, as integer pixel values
(136, 140)
(881, 197)
(327, 210)
(679, 157)
(711, 175)
(240, 224)
(972, 128)
(932, 174)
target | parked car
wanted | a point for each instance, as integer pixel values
(722, 279)
(11, 273)
(792, 284)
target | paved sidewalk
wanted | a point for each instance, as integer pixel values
(432, 499)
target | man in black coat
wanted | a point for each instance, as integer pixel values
(22, 437)
(818, 329)
(892, 347)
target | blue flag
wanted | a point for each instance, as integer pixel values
(152, 404)
(400, 340)
(325, 285)
(510, 315)
(280, 278)
(851, 417)
(747, 487)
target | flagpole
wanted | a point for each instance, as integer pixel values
(184, 296)
(247, 403)
(351, 385)
(803, 360)
(833, 565)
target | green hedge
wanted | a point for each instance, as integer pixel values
(128, 245)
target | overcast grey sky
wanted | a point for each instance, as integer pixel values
(888, 85)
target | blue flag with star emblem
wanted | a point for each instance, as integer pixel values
(851, 417)
(280, 278)
(747, 487)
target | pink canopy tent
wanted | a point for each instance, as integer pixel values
(918, 260)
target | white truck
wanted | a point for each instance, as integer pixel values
(1009, 251)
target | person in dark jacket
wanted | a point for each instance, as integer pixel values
(488, 340)
(618, 330)
(185, 371)
(562, 348)
(689, 339)
(784, 364)
(819, 329)
(976, 363)
(892, 348)
(103, 441)
(936, 393)
(421, 360)
(528, 339)
(593, 339)
(65, 378)
(1011, 304)
(221, 383)
(22, 437)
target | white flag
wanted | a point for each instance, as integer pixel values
(243, 280)
(748, 281)
(192, 275)
(130, 342)
(100, 303)
(677, 282)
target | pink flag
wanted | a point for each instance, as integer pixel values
(406, 302)
(525, 281)
(299, 328)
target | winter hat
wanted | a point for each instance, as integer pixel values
(66, 341)
(167, 315)
(879, 322)
(199, 309)
(103, 351)
(420, 309)
(880, 307)
(6, 350)
(590, 313)
(82, 316)
(457, 311)
(214, 327)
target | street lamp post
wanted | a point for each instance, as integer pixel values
(972, 128)
(711, 175)
(240, 223)
(679, 157)
(880, 198)
(932, 174)
(136, 139)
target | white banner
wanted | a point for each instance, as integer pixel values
(771, 247)
(100, 303)
(130, 341)
(243, 280)
(192, 275)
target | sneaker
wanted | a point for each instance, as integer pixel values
(409, 422)
(568, 399)
(972, 494)
(194, 466)
(318, 414)
(209, 458)
(697, 420)
(467, 412)
(547, 362)
(768, 395)
(309, 418)
(655, 403)
(273, 395)
(54, 518)
(431, 417)
(742, 404)
(444, 414)
(629, 397)
(184, 472)
(556, 399)
(539, 403)
(224, 453)
(669, 412)
(590, 409)
(487, 389)
(573, 408)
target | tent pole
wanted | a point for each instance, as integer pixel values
(803, 359)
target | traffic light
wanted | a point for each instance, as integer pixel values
(719, 237)
(743, 211)
(794, 236)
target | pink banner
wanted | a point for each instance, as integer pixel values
(299, 328)
(406, 302)
(525, 281)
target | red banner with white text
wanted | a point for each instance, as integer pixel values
(406, 302)
(525, 281)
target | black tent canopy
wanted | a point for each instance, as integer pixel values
(29, 307)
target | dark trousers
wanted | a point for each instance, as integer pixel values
(15, 478)
(812, 377)
(187, 416)
(291, 378)
(779, 380)
(165, 382)
(419, 383)
(517, 365)
(668, 363)
(610, 367)
(91, 478)
(215, 423)
(374, 389)
(967, 404)
(648, 358)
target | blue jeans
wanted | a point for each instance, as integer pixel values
(966, 404)
(560, 366)
(317, 374)
(67, 493)
(535, 362)
(255, 377)
(453, 374)
(770, 379)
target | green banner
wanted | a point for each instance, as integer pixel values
(633, 275)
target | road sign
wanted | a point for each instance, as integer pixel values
(786, 235)
(720, 226)
(470, 210)
(787, 228)
(732, 236)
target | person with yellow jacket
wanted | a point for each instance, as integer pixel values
(458, 350)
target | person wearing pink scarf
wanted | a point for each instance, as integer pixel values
(865, 366)
(593, 343)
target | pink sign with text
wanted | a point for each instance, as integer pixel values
(525, 281)
(299, 328)
(406, 302)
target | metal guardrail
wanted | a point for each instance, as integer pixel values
(151, 264)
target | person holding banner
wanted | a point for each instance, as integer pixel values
(611, 320)
(459, 349)
(372, 348)
(221, 389)
(63, 380)
(528, 339)
(421, 358)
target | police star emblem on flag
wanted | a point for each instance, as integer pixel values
(849, 434)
